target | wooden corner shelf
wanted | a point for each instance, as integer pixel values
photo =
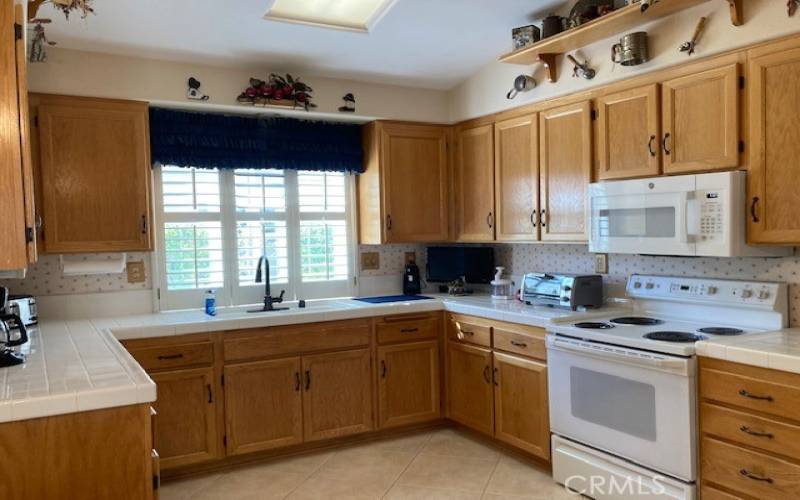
(619, 21)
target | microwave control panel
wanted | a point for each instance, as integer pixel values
(711, 219)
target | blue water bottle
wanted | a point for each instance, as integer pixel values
(211, 303)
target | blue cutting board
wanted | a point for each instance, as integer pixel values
(392, 298)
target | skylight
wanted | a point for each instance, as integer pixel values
(352, 15)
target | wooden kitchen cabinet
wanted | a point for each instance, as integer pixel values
(469, 386)
(187, 421)
(337, 396)
(474, 176)
(516, 183)
(565, 151)
(17, 242)
(403, 194)
(408, 383)
(521, 404)
(774, 132)
(95, 174)
(263, 405)
(700, 115)
(627, 134)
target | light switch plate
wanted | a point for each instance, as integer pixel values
(411, 258)
(370, 261)
(601, 263)
(135, 271)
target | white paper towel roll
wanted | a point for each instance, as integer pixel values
(115, 265)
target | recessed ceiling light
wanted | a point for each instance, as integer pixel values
(351, 15)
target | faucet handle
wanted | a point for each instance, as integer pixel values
(280, 299)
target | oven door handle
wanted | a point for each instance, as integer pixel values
(631, 357)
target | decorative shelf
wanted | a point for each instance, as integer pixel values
(619, 21)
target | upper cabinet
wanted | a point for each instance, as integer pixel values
(403, 194)
(94, 173)
(774, 132)
(516, 178)
(17, 244)
(701, 121)
(565, 152)
(474, 176)
(627, 134)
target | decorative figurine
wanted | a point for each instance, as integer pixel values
(791, 6)
(691, 44)
(349, 103)
(39, 42)
(194, 92)
(581, 69)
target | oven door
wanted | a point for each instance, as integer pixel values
(630, 403)
(643, 216)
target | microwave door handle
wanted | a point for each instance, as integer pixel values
(682, 216)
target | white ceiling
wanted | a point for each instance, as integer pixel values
(420, 43)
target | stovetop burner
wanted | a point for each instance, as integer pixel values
(668, 336)
(637, 320)
(721, 330)
(593, 325)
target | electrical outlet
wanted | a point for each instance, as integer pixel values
(135, 271)
(601, 263)
(411, 258)
(370, 261)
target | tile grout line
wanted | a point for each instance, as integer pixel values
(494, 470)
(418, 453)
(313, 471)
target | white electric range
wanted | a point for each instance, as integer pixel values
(623, 406)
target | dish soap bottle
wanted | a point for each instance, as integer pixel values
(501, 287)
(211, 303)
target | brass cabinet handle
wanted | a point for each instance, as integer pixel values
(519, 344)
(534, 223)
(409, 330)
(210, 394)
(747, 430)
(755, 477)
(297, 381)
(750, 395)
(466, 332)
(494, 376)
(383, 368)
(543, 217)
(144, 224)
(650, 146)
(164, 357)
(490, 220)
(389, 222)
(308, 379)
(753, 213)
(486, 376)
(664, 143)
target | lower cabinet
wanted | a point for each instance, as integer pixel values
(187, 423)
(408, 383)
(264, 391)
(469, 386)
(337, 396)
(520, 404)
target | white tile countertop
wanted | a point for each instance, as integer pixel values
(778, 350)
(79, 365)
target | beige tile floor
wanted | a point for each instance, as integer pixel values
(444, 464)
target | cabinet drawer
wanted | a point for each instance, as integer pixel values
(276, 341)
(709, 493)
(750, 389)
(751, 430)
(407, 328)
(749, 472)
(174, 356)
(469, 332)
(528, 343)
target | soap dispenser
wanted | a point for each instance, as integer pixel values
(501, 287)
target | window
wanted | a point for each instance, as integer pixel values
(217, 224)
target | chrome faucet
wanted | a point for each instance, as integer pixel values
(269, 300)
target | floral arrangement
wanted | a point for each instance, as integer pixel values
(278, 90)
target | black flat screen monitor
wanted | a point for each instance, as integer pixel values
(446, 264)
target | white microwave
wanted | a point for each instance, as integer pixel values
(699, 215)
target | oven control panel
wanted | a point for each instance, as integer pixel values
(706, 290)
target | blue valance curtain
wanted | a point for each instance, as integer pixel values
(208, 140)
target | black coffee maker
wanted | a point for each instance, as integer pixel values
(411, 281)
(9, 322)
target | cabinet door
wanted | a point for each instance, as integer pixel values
(627, 134)
(774, 124)
(469, 386)
(187, 424)
(337, 400)
(13, 249)
(408, 383)
(701, 121)
(414, 184)
(25, 139)
(474, 174)
(263, 405)
(520, 404)
(565, 149)
(95, 175)
(516, 181)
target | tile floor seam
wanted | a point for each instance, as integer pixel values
(422, 447)
(489, 481)
(310, 474)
